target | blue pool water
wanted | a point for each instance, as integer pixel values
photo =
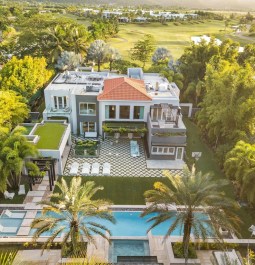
(6, 221)
(128, 223)
(128, 248)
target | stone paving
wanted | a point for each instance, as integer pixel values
(118, 155)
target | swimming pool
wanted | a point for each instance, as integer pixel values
(128, 223)
(128, 248)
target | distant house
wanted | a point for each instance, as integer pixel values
(123, 19)
(109, 14)
(207, 39)
(140, 19)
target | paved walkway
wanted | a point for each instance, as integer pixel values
(118, 155)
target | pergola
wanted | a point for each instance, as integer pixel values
(44, 165)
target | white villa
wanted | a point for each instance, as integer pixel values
(89, 100)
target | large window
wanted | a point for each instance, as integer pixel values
(88, 126)
(162, 150)
(87, 108)
(110, 112)
(138, 113)
(60, 102)
(124, 112)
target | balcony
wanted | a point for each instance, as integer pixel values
(162, 132)
(57, 112)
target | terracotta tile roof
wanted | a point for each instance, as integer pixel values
(124, 89)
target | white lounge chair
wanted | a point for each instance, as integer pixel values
(9, 195)
(106, 169)
(74, 168)
(13, 215)
(95, 168)
(85, 169)
(8, 229)
(252, 230)
(21, 190)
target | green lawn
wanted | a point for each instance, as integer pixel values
(174, 38)
(207, 163)
(50, 135)
(123, 190)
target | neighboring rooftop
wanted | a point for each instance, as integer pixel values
(50, 135)
(124, 89)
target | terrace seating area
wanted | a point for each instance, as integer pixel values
(118, 155)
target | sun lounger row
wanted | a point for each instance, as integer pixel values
(88, 169)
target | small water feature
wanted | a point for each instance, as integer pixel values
(128, 248)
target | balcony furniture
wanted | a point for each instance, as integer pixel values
(13, 215)
(85, 169)
(130, 136)
(134, 149)
(74, 168)
(21, 190)
(95, 168)
(8, 229)
(9, 195)
(106, 169)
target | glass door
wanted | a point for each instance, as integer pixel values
(88, 129)
(179, 153)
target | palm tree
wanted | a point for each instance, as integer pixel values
(78, 39)
(240, 166)
(192, 190)
(70, 211)
(14, 150)
(56, 41)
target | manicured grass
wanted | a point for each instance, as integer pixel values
(175, 38)
(50, 135)
(207, 163)
(122, 190)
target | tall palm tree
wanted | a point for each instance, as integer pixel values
(78, 39)
(70, 211)
(14, 149)
(192, 190)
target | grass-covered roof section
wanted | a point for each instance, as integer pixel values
(50, 135)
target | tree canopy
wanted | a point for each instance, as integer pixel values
(13, 109)
(25, 76)
(143, 49)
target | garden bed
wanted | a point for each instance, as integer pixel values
(87, 148)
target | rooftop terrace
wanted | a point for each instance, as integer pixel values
(50, 135)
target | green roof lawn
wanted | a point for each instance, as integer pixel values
(50, 135)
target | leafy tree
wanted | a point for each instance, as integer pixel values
(24, 76)
(74, 208)
(228, 107)
(240, 166)
(192, 190)
(14, 149)
(68, 61)
(112, 56)
(248, 55)
(143, 49)
(193, 62)
(122, 65)
(13, 109)
(98, 51)
(161, 56)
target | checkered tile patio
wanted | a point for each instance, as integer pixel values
(118, 155)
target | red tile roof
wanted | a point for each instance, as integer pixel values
(124, 89)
